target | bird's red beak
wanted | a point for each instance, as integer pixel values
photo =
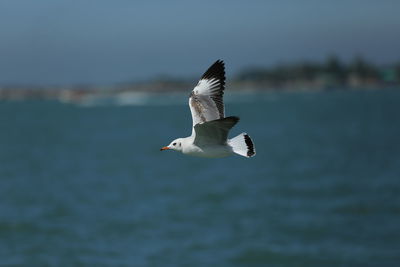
(164, 148)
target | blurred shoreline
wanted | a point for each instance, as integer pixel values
(306, 76)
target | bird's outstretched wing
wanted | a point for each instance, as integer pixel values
(206, 99)
(214, 132)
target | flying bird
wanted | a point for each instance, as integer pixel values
(210, 126)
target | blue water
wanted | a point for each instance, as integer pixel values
(88, 186)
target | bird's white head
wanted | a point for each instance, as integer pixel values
(175, 145)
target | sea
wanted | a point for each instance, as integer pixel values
(85, 184)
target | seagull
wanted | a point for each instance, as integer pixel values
(210, 129)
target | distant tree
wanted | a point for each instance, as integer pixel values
(363, 69)
(335, 69)
(330, 74)
(397, 70)
(307, 71)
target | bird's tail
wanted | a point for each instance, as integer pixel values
(243, 145)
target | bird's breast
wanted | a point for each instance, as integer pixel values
(208, 151)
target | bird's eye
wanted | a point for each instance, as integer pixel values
(174, 144)
(180, 144)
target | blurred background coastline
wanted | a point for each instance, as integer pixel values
(332, 74)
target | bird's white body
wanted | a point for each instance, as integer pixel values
(209, 137)
(209, 151)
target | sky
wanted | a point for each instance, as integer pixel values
(103, 42)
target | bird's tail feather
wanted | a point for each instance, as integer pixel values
(243, 145)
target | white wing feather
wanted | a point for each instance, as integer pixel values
(206, 99)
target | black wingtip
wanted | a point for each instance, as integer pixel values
(250, 146)
(216, 71)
